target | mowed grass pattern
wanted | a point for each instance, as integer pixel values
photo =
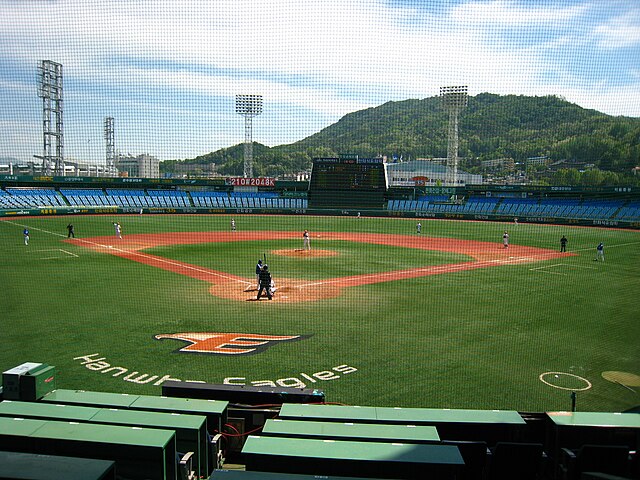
(469, 339)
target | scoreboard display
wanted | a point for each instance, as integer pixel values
(350, 173)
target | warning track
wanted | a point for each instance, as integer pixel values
(225, 285)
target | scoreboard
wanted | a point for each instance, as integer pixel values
(350, 173)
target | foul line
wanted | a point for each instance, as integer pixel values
(545, 267)
(433, 269)
(607, 246)
(135, 253)
(436, 268)
(68, 254)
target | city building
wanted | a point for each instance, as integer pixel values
(142, 166)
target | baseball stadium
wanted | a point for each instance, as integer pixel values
(386, 283)
(374, 311)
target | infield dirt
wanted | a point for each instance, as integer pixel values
(225, 285)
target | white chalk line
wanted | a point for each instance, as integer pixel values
(432, 269)
(544, 268)
(143, 255)
(606, 246)
(67, 254)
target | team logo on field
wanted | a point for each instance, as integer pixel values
(227, 343)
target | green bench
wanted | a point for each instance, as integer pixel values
(214, 410)
(348, 458)
(190, 430)
(361, 432)
(31, 466)
(138, 452)
(490, 426)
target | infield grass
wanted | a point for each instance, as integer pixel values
(470, 339)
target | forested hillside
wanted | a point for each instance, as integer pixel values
(492, 126)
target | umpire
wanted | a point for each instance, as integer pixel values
(265, 282)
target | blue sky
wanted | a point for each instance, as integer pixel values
(168, 71)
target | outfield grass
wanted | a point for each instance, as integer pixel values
(470, 339)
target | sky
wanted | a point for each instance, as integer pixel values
(168, 71)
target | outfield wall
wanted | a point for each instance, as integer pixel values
(319, 212)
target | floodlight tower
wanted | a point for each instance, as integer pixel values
(110, 138)
(248, 106)
(50, 90)
(454, 99)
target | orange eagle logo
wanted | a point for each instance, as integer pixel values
(227, 343)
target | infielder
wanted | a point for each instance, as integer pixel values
(600, 252)
(306, 241)
(505, 239)
(118, 230)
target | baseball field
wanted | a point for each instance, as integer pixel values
(373, 314)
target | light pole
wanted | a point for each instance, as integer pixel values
(110, 138)
(248, 106)
(454, 99)
(50, 90)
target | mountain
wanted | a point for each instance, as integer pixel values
(491, 126)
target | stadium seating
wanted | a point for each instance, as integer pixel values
(30, 198)
(566, 208)
(86, 197)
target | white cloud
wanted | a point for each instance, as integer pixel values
(312, 61)
(509, 13)
(619, 32)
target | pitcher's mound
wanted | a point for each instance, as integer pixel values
(305, 253)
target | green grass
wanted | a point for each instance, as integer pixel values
(472, 339)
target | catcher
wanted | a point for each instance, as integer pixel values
(265, 282)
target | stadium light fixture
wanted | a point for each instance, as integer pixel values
(50, 90)
(248, 106)
(454, 99)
